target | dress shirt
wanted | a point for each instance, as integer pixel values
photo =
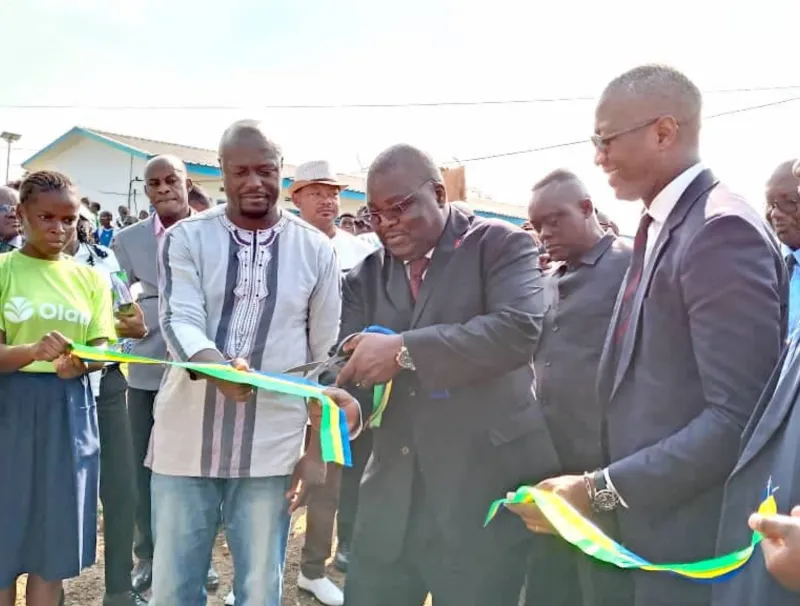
(406, 264)
(794, 287)
(665, 201)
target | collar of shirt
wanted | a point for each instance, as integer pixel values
(786, 251)
(590, 257)
(427, 255)
(667, 198)
(158, 226)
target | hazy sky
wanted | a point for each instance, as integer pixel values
(251, 53)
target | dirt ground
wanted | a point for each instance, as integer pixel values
(87, 590)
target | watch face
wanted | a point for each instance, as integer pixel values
(605, 500)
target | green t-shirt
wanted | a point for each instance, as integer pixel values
(38, 296)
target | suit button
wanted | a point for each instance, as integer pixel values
(555, 327)
(412, 392)
(404, 450)
(548, 363)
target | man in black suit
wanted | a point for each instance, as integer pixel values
(463, 426)
(587, 268)
(696, 331)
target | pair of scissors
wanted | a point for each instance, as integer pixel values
(313, 370)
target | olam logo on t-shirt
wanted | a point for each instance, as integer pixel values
(19, 309)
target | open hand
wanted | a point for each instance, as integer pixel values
(781, 546)
(50, 347)
(309, 471)
(69, 366)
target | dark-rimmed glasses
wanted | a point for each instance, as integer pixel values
(396, 210)
(601, 142)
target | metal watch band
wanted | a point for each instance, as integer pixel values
(604, 498)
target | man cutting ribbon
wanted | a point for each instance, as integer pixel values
(464, 297)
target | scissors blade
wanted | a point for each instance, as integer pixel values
(303, 368)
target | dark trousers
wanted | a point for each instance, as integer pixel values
(552, 573)
(360, 449)
(320, 517)
(117, 480)
(469, 577)
(140, 412)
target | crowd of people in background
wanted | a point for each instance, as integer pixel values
(652, 385)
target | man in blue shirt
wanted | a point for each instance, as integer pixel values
(783, 214)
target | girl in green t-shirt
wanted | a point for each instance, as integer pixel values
(49, 446)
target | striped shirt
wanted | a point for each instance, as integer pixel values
(271, 297)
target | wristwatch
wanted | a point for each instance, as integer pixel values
(404, 360)
(602, 497)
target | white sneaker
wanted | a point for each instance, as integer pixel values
(230, 600)
(323, 589)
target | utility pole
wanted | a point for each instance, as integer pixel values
(9, 138)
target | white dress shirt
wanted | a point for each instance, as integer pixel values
(665, 201)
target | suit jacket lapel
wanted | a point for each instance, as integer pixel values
(457, 225)
(777, 401)
(395, 282)
(606, 372)
(704, 182)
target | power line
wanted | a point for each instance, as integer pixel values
(753, 89)
(585, 141)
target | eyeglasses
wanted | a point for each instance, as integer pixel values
(6, 209)
(396, 210)
(788, 206)
(601, 142)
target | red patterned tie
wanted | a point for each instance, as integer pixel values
(416, 271)
(634, 277)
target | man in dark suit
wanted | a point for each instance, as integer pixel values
(770, 450)
(696, 331)
(463, 426)
(587, 267)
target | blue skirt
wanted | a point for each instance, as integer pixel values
(49, 474)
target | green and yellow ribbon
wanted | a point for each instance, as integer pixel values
(334, 434)
(580, 532)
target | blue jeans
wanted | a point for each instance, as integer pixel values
(186, 515)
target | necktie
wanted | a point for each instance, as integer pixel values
(416, 271)
(634, 277)
(791, 263)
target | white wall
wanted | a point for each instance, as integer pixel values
(99, 171)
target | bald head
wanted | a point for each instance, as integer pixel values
(406, 159)
(563, 186)
(658, 90)
(8, 196)
(784, 173)
(164, 161)
(251, 133)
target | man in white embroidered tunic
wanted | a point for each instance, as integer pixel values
(247, 283)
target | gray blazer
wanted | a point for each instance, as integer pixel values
(136, 248)
(705, 332)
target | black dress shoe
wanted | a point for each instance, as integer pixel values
(142, 575)
(128, 598)
(212, 580)
(342, 558)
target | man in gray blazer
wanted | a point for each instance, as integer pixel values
(770, 451)
(696, 332)
(587, 267)
(136, 247)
